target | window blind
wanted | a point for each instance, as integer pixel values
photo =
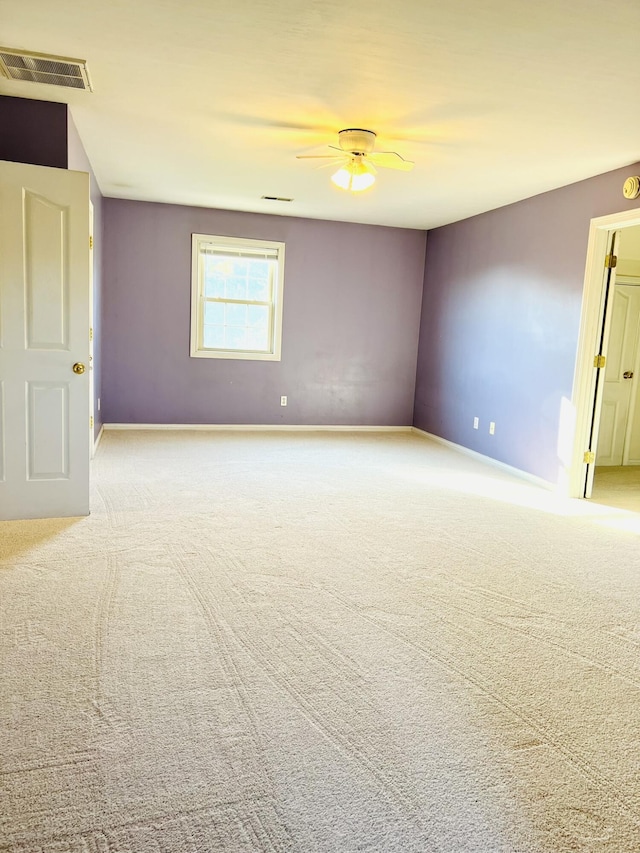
(240, 253)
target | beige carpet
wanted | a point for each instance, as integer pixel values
(618, 486)
(318, 642)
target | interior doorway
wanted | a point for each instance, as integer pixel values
(617, 472)
(606, 398)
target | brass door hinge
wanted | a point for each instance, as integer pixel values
(610, 261)
(91, 421)
(589, 457)
(91, 243)
(91, 333)
(599, 361)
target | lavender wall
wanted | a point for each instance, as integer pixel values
(350, 326)
(500, 320)
(78, 160)
(33, 132)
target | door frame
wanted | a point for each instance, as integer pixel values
(92, 443)
(593, 328)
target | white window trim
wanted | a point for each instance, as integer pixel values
(197, 297)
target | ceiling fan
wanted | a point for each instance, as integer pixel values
(359, 160)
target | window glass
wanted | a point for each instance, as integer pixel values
(237, 287)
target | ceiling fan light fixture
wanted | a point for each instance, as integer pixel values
(354, 177)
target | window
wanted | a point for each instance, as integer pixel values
(236, 298)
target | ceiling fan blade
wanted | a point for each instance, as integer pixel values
(319, 156)
(251, 120)
(391, 160)
(333, 164)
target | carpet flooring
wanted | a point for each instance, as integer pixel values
(325, 642)
(618, 486)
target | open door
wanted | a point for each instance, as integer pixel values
(600, 361)
(618, 409)
(44, 342)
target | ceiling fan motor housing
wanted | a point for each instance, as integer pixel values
(356, 140)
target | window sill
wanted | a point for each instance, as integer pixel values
(239, 356)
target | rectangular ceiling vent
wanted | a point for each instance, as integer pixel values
(275, 198)
(42, 68)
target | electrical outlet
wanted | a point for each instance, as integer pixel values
(283, 400)
(98, 403)
(476, 423)
(492, 428)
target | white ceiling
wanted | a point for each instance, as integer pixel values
(207, 102)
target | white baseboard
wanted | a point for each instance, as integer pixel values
(98, 439)
(260, 427)
(516, 472)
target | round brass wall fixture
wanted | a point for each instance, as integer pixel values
(631, 187)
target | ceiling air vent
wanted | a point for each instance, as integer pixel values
(42, 68)
(275, 198)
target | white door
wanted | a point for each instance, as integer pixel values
(631, 454)
(44, 342)
(619, 374)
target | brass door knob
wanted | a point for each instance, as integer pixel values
(79, 367)
(628, 374)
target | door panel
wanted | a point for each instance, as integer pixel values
(632, 442)
(48, 431)
(44, 320)
(46, 248)
(609, 417)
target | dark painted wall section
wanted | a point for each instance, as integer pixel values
(79, 161)
(33, 132)
(350, 326)
(500, 321)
